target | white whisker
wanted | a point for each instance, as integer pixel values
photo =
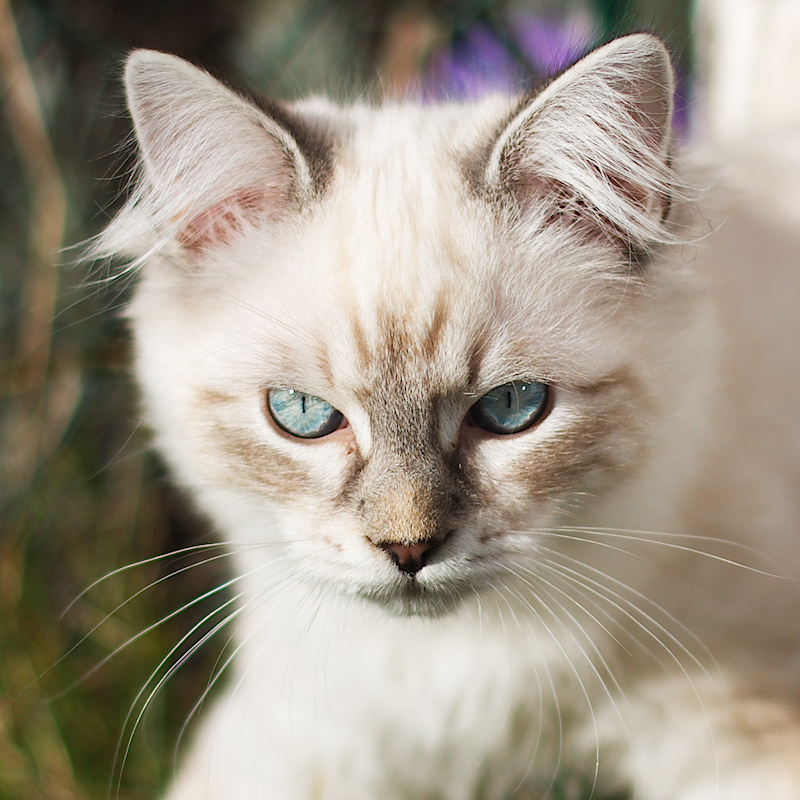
(573, 668)
(667, 540)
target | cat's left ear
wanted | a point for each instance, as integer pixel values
(596, 141)
(212, 159)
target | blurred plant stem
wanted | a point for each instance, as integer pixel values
(411, 36)
(34, 763)
(46, 231)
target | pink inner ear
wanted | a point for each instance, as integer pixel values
(218, 224)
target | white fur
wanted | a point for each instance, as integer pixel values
(607, 629)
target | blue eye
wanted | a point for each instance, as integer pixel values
(302, 414)
(510, 408)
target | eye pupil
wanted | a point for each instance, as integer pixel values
(510, 408)
(303, 415)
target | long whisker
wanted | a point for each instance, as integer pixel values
(121, 757)
(221, 666)
(549, 585)
(153, 626)
(133, 565)
(172, 669)
(667, 540)
(558, 716)
(589, 585)
(527, 603)
(585, 580)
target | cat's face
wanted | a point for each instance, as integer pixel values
(406, 342)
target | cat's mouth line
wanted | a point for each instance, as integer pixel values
(412, 597)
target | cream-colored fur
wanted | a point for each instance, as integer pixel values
(611, 598)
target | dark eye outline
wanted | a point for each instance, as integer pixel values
(487, 422)
(334, 421)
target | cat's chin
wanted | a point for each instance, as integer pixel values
(414, 599)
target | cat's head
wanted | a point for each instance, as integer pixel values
(405, 341)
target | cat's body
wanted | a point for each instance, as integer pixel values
(427, 607)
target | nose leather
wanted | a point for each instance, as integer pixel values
(409, 558)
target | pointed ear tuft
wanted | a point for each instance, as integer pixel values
(597, 140)
(211, 160)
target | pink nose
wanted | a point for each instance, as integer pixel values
(410, 558)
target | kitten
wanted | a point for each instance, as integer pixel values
(506, 462)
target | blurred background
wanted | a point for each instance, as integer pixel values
(80, 496)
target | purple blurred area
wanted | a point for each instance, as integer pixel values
(515, 51)
(520, 49)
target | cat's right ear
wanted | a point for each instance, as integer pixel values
(211, 159)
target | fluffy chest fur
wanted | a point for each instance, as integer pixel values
(444, 378)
